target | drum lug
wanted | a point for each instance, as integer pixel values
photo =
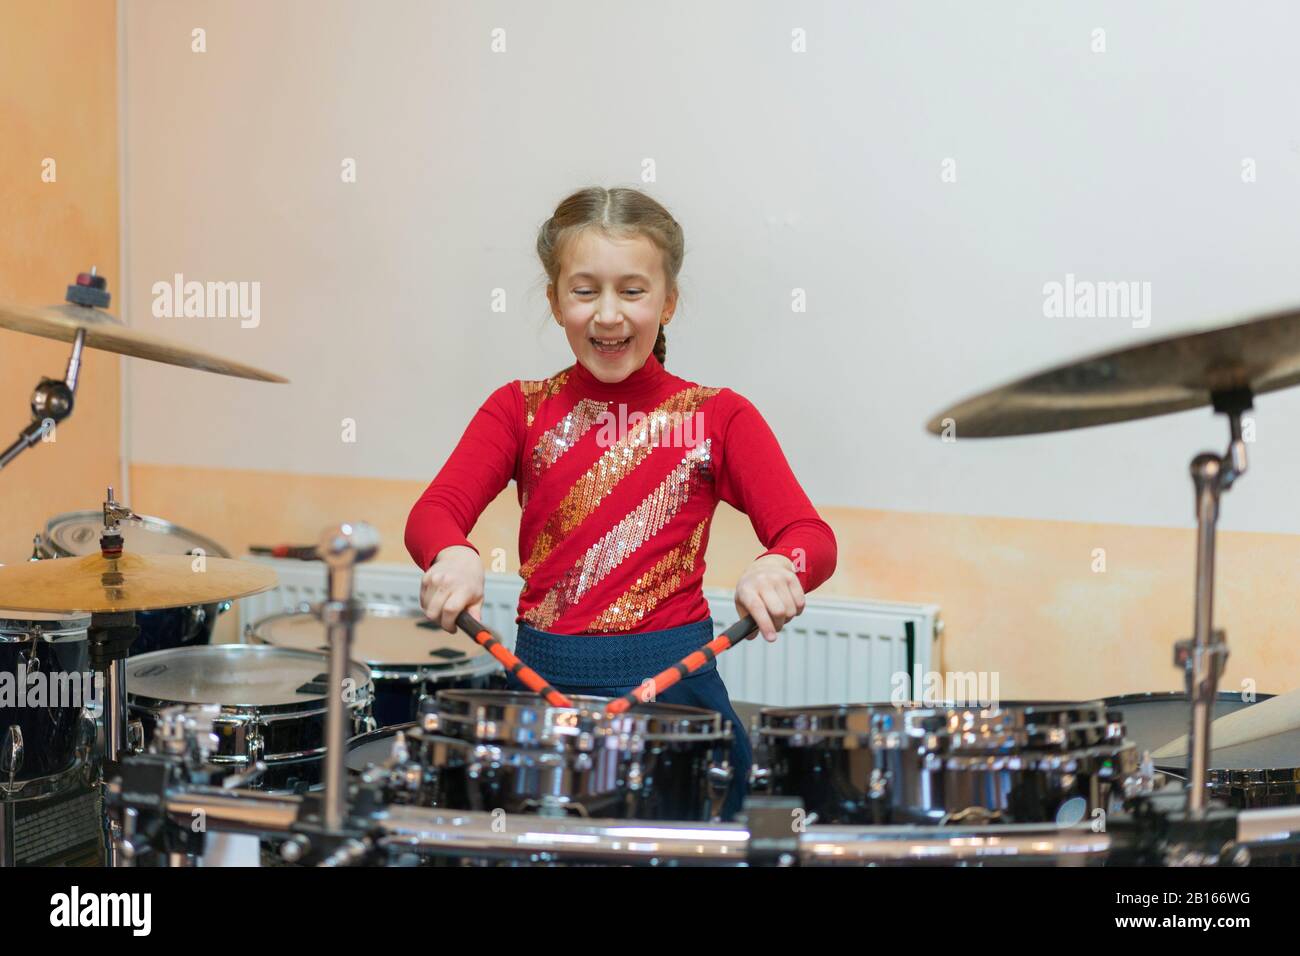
(255, 743)
(427, 709)
(878, 787)
(135, 736)
(11, 756)
(635, 778)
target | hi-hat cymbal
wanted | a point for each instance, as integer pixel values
(131, 582)
(1171, 374)
(105, 333)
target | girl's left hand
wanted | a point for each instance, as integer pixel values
(769, 591)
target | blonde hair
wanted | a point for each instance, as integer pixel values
(619, 213)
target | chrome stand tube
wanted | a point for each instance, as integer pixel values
(341, 548)
(1202, 657)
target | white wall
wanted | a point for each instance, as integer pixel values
(819, 171)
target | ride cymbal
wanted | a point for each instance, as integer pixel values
(1171, 374)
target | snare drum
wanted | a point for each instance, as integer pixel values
(410, 657)
(1261, 773)
(1023, 762)
(273, 704)
(517, 753)
(76, 534)
(45, 684)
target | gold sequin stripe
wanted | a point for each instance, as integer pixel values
(609, 469)
(559, 439)
(652, 587)
(535, 390)
(637, 527)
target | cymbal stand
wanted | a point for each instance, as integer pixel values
(110, 636)
(52, 399)
(52, 402)
(1203, 656)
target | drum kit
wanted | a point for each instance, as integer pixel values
(361, 734)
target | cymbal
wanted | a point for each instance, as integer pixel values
(131, 582)
(105, 333)
(1168, 375)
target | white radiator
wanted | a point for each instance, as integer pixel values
(837, 651)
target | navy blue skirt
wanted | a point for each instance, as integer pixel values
(611, 665)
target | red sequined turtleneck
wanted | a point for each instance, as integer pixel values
(618, 485)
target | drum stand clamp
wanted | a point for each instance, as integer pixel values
(1159, 830)
(774, 830)
(314, 843)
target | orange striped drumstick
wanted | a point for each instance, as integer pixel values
(742, 630)
(513, 665)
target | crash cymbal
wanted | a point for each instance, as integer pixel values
(131, 582)
(1171, 374)
(105, 333)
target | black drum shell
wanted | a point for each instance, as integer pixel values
(175, 627)
(397, 698)
(50, 735)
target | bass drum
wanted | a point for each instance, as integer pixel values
(1261, 773)
(76, 534)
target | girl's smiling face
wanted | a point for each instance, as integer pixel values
(610, 297)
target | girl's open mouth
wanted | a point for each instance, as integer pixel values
(610, 346)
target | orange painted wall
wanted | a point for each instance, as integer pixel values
(58, 99)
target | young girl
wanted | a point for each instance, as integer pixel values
(619, 465)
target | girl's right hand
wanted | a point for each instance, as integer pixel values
(453, 583)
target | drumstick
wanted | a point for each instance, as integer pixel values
(1275, 716)
(742, 630)
(525, 674)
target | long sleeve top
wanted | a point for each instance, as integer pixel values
(618, 484)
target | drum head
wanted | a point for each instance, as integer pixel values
(388, 636)
(373, 748)
(1153, 720)
(232, 675)
(24, 625)
(76, 534)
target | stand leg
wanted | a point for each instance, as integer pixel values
(110, 637)
(341, 548)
